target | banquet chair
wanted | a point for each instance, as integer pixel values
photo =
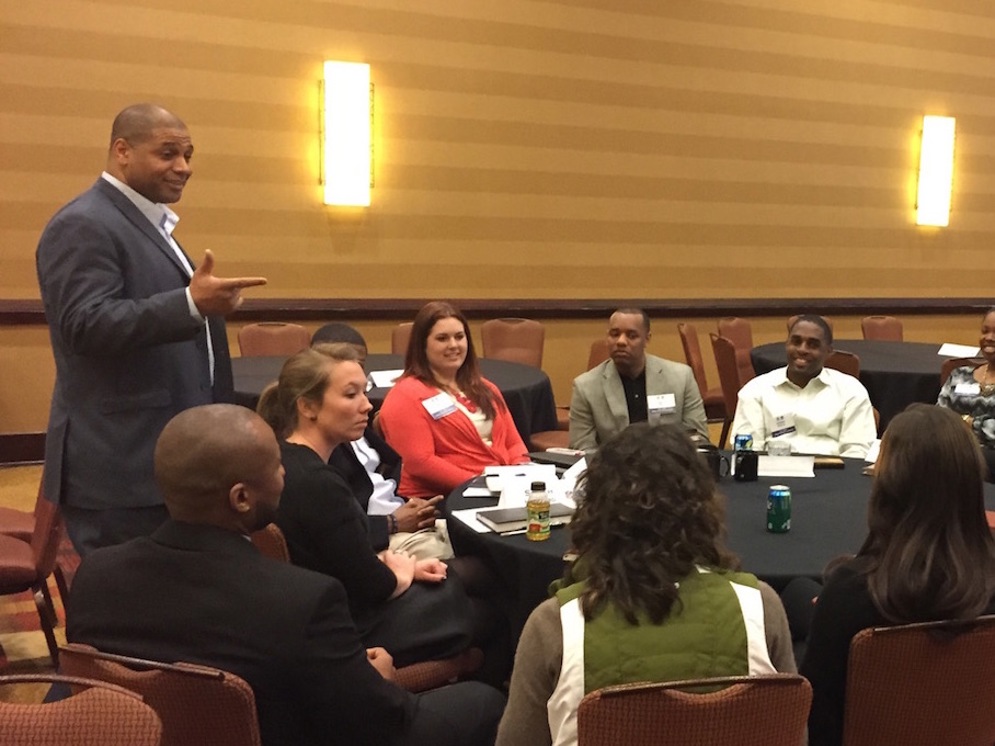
(738, 331)
(416, 677)
(399, 337)
(886, 328)
(515, 340)
(844, 362)
(920, 684)
(729, 380)
(99, 714)
(198, 705)
(747, 711)
(951, 364)
(27, 566)
(272, 338)
(715, 406)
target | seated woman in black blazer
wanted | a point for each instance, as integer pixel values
(410, 607)
(929, 554)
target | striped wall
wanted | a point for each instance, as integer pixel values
(560, 149)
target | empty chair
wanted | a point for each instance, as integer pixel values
(198, 705)
(399, 337)
(951, 364)
(28, 565)
(922, 684)
(21, 525)
(515, 340)
(739, 332)
(100, 714)
(886, 328)
(729, 381)
(749, 711)
(715, 408)
(844, 362)
(272, 338)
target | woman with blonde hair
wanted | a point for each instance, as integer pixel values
(411, 607)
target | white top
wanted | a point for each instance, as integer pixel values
(831, 416)
(384, 499)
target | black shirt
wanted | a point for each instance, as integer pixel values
(635, 397)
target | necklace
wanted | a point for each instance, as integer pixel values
(987, 387)
(459, 396)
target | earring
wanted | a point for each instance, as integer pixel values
(313, 417)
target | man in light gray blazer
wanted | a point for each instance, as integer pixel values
(138, 335)
(632, 386)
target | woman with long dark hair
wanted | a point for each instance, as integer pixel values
(929, 554)
(446, 420)
(653, 596)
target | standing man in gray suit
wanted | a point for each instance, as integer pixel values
(631, 387)
(138, 334)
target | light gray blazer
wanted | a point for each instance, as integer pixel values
(128, 354)
(598, 409)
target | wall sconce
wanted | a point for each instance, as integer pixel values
(346, 134)
(936, 171)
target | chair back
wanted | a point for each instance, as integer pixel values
(515, 340)
(922, 684)
(600, 351)
(844, 362)
(198, 705)
(100, 714)
(725, 361)
(951, 364)
(47, 536)
(738, 331)
(692, 354)
(272, 338)
(399, 338)
(271, 543)
(886, 328)
(793, 319)
(748, 711)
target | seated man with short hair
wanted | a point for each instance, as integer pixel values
(816, 409)
(197, 590)
(632, 387)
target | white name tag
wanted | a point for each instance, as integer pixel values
(968, 389)
(661, 403)
(784, 424)
(439, 406)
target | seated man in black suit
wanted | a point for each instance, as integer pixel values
(197, 590)
(372, 469)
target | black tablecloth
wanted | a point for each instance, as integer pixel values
(895, 374)
(527, 390)
(828, 518)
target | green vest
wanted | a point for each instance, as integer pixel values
(704, 635)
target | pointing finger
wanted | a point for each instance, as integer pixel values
(232, 283)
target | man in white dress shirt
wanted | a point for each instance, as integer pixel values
(815, 409)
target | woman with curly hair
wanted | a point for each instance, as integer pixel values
(654, 595)
(446, 420)
(929, 554)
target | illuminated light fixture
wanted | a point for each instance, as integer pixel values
(346, 134)
(936, 171)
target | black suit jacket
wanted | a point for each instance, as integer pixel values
(346, 464)
(205, 595)
(128, 354)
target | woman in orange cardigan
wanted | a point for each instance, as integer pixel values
(445, 420)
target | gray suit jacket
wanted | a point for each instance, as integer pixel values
(598, 409)
(128, 354)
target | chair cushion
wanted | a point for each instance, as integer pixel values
(17, 523)
(17, 565)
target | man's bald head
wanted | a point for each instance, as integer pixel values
(136, 123)
(206, 454)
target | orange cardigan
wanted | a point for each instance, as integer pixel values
(438, 455)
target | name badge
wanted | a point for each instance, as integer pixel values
(966, 388)
(784, 424)
(439, 406)
(661, 403)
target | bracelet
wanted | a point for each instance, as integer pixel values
(393, 523)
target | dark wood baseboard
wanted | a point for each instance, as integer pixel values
(27, 311)
(21, 448)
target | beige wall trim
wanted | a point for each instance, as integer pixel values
(22, 448)
(24, 312)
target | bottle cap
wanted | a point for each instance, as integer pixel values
(538, 487)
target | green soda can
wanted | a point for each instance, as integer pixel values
(779, 509)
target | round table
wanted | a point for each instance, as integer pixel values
(829, 518)
(527, 390)
(895, 374)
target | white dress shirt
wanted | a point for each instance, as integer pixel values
(831, 416)
(384, 499)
